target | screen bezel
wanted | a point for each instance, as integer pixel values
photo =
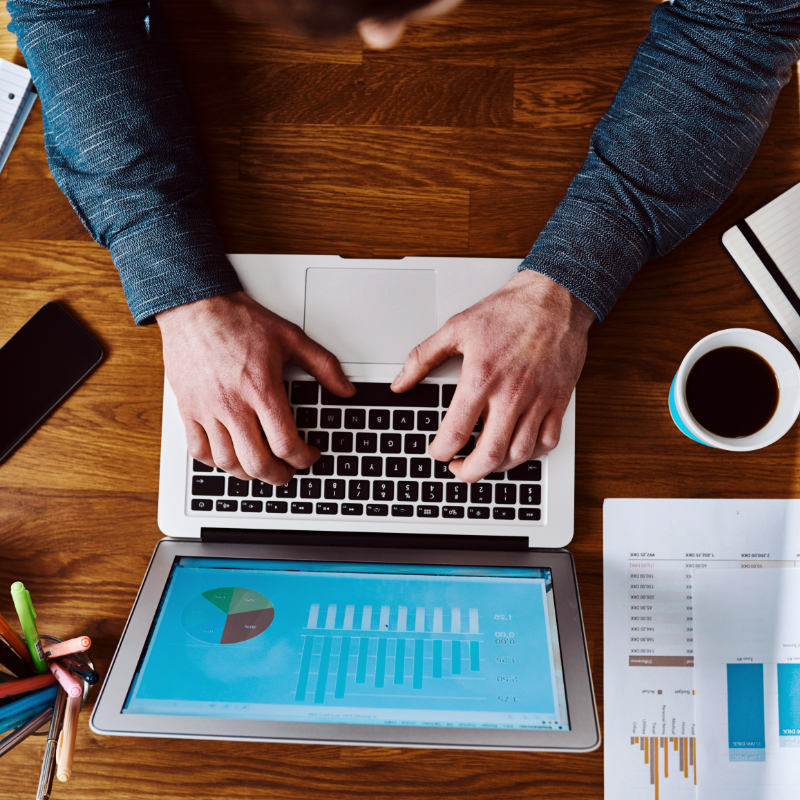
(108, 716)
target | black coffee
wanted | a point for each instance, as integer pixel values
(732, 391)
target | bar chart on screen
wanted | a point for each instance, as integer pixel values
(363, 649)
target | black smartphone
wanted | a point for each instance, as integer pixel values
(39, 366)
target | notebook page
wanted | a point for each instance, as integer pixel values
(16, 99)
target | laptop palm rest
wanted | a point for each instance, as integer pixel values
(370, 316)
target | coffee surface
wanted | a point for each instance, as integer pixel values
(732, 391)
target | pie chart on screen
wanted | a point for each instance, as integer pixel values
(227, 615)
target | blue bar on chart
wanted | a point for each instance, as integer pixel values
(341, 674)
(789, 705)
(746, 728)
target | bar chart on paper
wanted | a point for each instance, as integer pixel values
(363, 649)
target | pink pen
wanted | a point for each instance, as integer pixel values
(76, 645)
(71, 685)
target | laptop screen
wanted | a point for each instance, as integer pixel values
(356, 643)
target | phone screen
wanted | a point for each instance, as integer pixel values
(39, 366)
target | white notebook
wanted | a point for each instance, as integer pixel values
(17, 97)
(766, 246)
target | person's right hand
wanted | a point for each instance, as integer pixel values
(224, 359)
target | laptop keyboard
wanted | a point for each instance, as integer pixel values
(374, 464)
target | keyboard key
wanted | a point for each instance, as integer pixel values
(456, 492)
(211, 485)
(431, 492)
(252, 506)
(305, 393)
(238, 488)
(480, 493)
(423, 395)
(377, 510)
(390, 442)
(327, 508)
(448, 390)
(478, 512)
(301, 508)
(366, 443)
(529, 471)
(503, 513)
(403, 420)
(420, 468)
(330, 418)
(402, 511)
(352, 509)
(530, 494)
(358, 490)
(323, 466)
(276, 506)
(428, 512)
(505, 494)
(261, 489)
(334, 489)
(396, 468)
(288, 490)
(379, 419)
(355, 419)
(202, 505)
(306, 417)
(530, 514)
(318, 439)
(199, 466)
(342, 442)
(372, 466)
(468, 446)
(427, 420)
(310, 488)
(383, 490)
(408, 491)
(347, 465)
(441, 470)
(227, 505)
(415, 443)
(495, 476)
(452, 512)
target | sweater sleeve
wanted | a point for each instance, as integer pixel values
(680, 133)
(121, 145)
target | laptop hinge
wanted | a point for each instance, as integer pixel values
(431, 541)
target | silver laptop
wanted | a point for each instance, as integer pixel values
(375, 474)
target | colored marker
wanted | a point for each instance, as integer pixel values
(77, 645)
(8, 633)
(25, 707)
(22, 685)
(81, 670)
(66, 739)
(27, 619)
(25, 730)
(72, 686)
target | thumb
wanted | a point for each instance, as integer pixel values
(323, 365)
(427, 355)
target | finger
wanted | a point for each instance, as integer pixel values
(459, 421)
(491, 448)
(322, 364)
(427, 355)
(222, 450)
(524, 439)
(275, 418)
(197, 442)
(549, 433)
(254, 452)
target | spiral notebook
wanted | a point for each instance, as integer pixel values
(766, 246)
(17, 96)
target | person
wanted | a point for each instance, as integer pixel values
(683, 127)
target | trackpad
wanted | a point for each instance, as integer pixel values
(370, 316)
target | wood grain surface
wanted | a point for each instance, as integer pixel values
(459, 142)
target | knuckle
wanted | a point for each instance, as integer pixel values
(550, 439)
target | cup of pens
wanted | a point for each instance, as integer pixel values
(42, 680)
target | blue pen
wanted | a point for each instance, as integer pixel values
(35, 700)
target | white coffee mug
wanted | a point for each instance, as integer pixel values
(786, 372)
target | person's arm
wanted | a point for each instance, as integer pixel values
(121, 145)
(682, 129)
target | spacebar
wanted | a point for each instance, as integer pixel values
(424, 395)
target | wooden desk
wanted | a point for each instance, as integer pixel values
(459, 142)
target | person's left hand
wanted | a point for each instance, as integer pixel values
(524, 347)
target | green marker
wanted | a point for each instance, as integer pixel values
(27, 619)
